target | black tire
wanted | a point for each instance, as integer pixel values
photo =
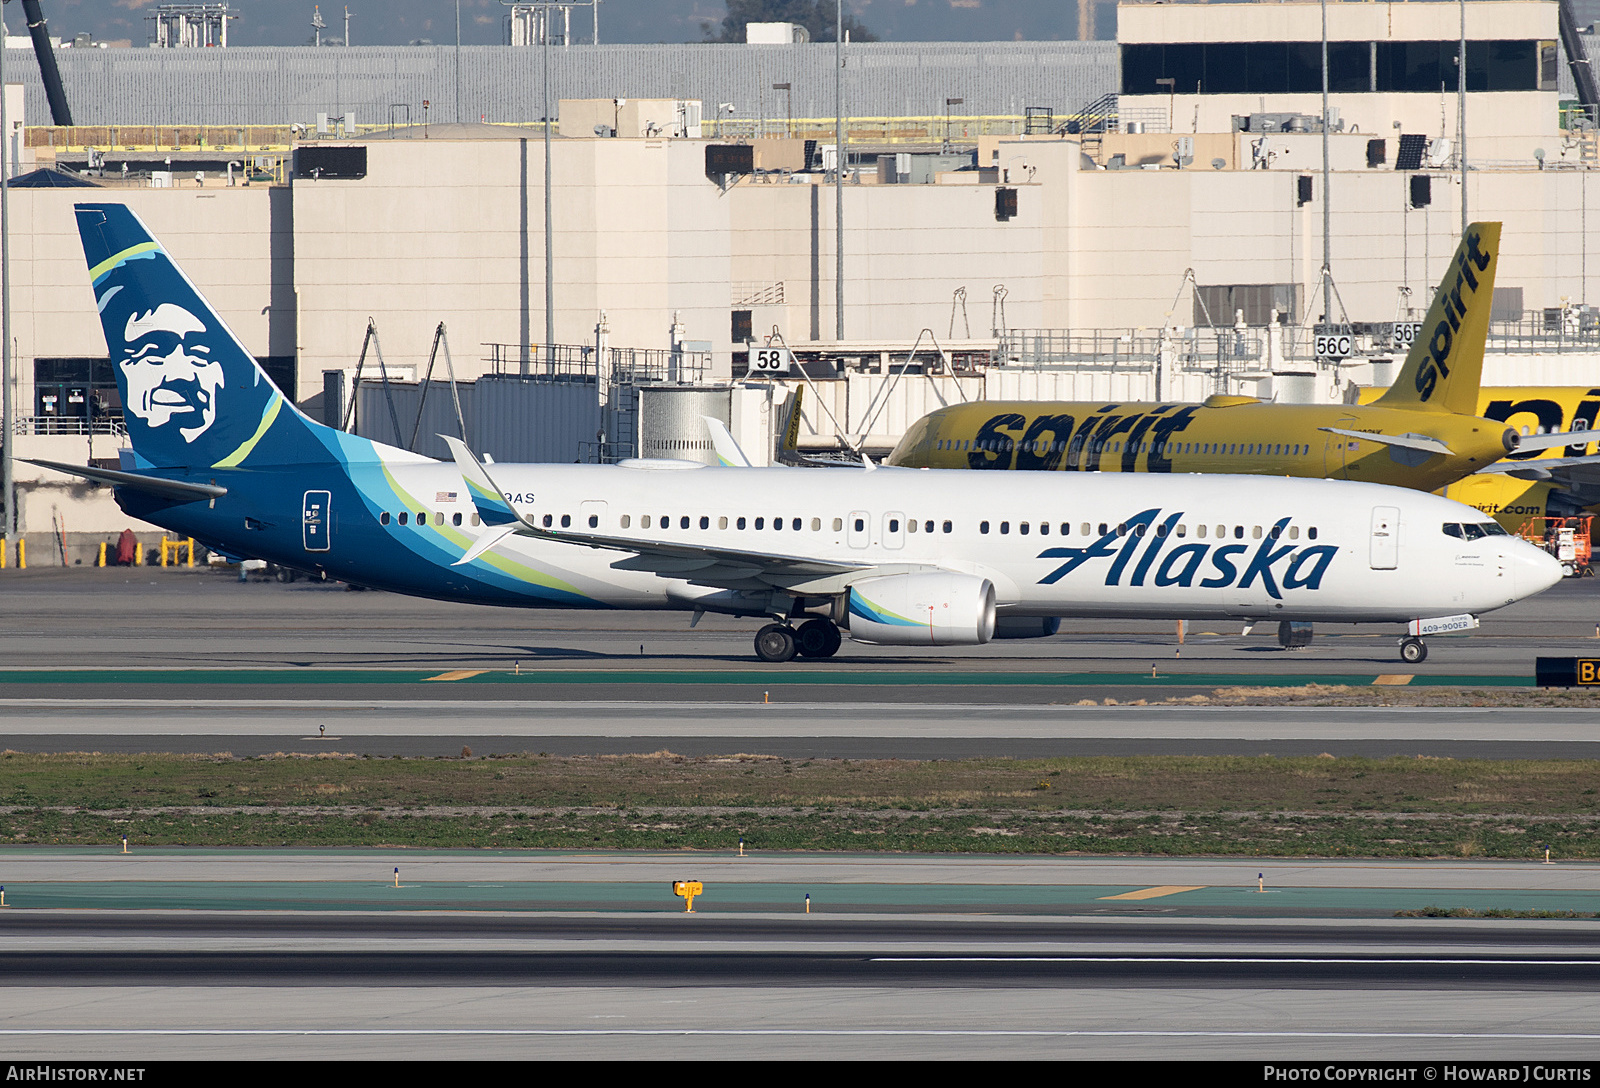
(775, 643)
(1413, 651)
(818, 638)
(285, 575)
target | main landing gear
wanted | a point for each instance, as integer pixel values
(778, 642)
(1413, 651)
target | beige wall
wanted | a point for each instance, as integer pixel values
(446, 230)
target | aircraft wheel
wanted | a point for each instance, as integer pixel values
(818, 638)
(1413, 651)
(775, 643)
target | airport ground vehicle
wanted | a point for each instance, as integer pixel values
(1567, 539)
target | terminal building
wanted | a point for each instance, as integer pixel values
(1133, 219)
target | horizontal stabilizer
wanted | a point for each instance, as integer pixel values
(177, 490)
(1549, 441)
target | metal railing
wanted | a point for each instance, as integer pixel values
(70, 425)
(1557, 329)
(866, 130)
(543, 362)
(578, 362)
(1211, 350)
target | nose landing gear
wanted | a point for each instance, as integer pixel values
(1413, 651)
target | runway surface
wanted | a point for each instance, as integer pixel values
(1032, 974)
(119, 660)
(294, 954)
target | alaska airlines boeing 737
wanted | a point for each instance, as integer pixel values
(896, 557)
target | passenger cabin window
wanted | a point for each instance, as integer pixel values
(566, 521)
(455, 519)
(383, 518)
(404, 517)
(625, 521)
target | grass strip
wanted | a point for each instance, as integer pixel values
(1264, 806)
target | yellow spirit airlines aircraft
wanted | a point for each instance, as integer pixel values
(1545, 478)
(1421, 433)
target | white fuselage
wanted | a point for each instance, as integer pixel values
(1052, 544)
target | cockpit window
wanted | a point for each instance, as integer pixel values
(1493, 528)
(1452, 529)
(1473, 532)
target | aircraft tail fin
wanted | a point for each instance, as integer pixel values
(789, 448)
(1445, 365)
(192, 395)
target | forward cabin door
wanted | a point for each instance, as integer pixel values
(1385, 537)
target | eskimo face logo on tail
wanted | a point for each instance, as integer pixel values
(167, 368)
(1146, 546)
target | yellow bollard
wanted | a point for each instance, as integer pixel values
(1547, 855)
(22, 554)
(2, 895)
(138, 553)
(190, 564)
(101, 561)
(1261, 882)
(3, 567)
(808, 902)
(687, 890)
(124, 844)
(163, 552)
(397, 876)
(741, 846)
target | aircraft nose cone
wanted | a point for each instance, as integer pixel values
(1533, 570)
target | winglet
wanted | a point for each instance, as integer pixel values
(492, 508)
(729, 455)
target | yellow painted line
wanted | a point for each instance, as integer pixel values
(459, 674)
(1156, 893)
(1395, 679)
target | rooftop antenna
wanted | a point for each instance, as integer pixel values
(347, 27)
(316, 22)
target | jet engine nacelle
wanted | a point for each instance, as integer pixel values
(922, 610)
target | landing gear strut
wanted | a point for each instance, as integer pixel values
(1413, 651)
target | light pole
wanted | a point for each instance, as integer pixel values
(8, 438)
(788, 108)
(947, 104)
(838, 168)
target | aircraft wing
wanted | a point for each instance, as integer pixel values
(1568, 471)
(700, 563)
(1408, 441)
